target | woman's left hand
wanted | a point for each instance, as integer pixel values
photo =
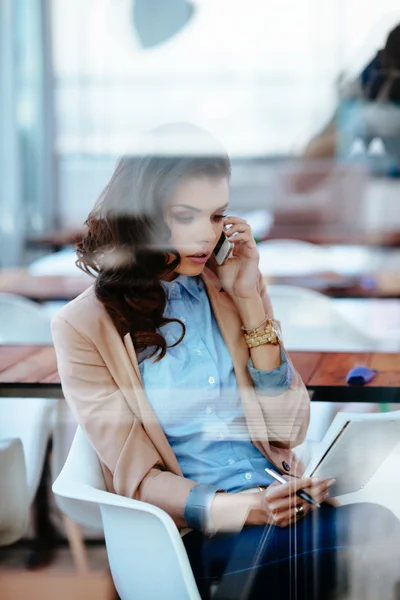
(239, 275)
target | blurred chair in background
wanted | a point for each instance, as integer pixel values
(33, 420)
(23, 321)
(292, 257)
(310, 322)
(56, 263)
(14, 493)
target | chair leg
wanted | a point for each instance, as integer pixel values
(76, 545)
(44, 543)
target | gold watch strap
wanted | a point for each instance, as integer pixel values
(269, 335)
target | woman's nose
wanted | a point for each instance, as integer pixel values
(209, 235)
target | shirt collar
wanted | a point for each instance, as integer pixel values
(192, 285)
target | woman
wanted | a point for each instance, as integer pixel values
(180, 406)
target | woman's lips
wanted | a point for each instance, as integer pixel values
(199, 260)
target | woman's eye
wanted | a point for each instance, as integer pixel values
(218, 217)
(183, 219)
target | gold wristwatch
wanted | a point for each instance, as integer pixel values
(271, 334)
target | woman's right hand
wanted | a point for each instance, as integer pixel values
(277, 504)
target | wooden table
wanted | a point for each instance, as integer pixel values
(32, 371)
(43, 288)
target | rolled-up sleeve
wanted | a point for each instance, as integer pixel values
(273, 383)
(198, 507)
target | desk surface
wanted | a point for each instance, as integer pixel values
(33, 369)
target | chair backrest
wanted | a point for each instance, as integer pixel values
(146, 555)
(14, 503)
(310, 321)
(31, 420)
(81, 471)
(23, 321)
(56, 263)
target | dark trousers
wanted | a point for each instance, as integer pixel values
(311, 560)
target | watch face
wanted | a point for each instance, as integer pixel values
(277, 331)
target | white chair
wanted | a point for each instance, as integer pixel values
(32, 420)
(282, 257)
(311, 322)
(14, 504)
(29, 419)
(56, 263)
(146, 554)
(286, 257)
(23, 321)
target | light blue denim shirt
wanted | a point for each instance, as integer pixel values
(194, 394)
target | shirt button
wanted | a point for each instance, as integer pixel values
(248, 476)
(209, 410)
(231, 461)
(221, 436)
(198, 352)
(182, 319)
(211, 380)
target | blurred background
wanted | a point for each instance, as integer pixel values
(305, 97)
(81, 81)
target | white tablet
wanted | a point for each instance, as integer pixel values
(353, 449)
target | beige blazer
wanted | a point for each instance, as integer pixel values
(101, 382)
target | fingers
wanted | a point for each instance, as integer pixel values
(282, 499)
(289, 517)
(283, 508)
(237, 225)
(231, 219)
(283, 490)
(294, 517)
(239, 231)
(285, 504)
(319, 490)
(241, 237)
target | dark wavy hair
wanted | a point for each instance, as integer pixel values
(127, 242)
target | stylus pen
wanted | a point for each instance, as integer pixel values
(300, 493)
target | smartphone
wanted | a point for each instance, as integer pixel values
(222, 250)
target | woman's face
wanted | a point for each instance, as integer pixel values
(195, 214)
